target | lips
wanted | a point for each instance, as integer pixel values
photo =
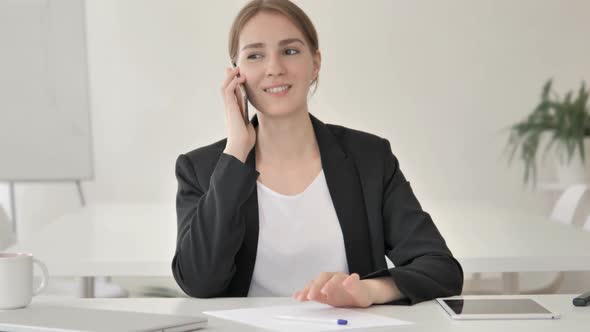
(277, 89)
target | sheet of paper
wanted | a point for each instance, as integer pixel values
(264, 317)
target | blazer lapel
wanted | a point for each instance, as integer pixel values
(347, 196)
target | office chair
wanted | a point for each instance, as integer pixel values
(7, 237)
(563, 212)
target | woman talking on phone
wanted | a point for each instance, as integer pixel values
(287, 205)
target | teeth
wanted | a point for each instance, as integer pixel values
(277, 89)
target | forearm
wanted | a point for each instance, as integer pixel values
(383, 290)
(204, 262)
(210, 232)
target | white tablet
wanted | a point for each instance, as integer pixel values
(495, 308)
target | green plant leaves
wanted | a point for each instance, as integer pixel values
(567, 120)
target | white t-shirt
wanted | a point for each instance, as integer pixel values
(299, 237)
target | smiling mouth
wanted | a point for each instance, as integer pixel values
(278, 89)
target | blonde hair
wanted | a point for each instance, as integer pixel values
(283, 7)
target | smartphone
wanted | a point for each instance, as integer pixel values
(242, 98)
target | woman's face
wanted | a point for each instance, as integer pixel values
(278, 65)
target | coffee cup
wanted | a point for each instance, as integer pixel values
(16, 280)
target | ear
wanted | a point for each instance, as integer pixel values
(317, 64)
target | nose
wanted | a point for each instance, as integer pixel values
(275, 66)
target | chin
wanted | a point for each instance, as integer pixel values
(278, 112)
(281, 110)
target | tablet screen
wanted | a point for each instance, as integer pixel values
(495, 306)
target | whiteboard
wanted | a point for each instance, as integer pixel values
(45, 131)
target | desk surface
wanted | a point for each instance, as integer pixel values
(107, 240)
(426, 316)
(485, 238)
(139, 240)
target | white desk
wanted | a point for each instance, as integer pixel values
(138, 240)
(427, 316)
(485, 238)
(491, 239)
(106, 240)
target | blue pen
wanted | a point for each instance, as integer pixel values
(313, 320)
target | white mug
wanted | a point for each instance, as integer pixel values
(16, 280)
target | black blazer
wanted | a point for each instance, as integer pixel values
(379, 215)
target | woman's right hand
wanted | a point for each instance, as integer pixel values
(241, 136)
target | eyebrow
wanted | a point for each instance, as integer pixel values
(281, 43)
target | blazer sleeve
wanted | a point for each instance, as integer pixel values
(424, 266)
(210, 232)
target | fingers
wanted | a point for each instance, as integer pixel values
(302, 294)
(334, 288)
(351, 279)
(230, 73)
(228, 89)
(337, 289)
(333, 285)
(230, 93)
(358, 292)
(317, 285)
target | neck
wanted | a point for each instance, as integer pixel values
(285, 139)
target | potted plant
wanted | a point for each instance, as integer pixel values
(566, 121)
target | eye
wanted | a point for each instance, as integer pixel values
(291, 51)
(254, 56)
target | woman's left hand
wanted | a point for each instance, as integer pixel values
(337, 289)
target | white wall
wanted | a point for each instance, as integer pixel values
(439, 79)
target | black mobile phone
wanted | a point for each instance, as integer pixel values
(582, 300)
(242, 98)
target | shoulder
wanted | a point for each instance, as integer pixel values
(371, 153)
(203, 158)
(210, 151)
(359, 142)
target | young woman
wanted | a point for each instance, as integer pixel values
(290, 206)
